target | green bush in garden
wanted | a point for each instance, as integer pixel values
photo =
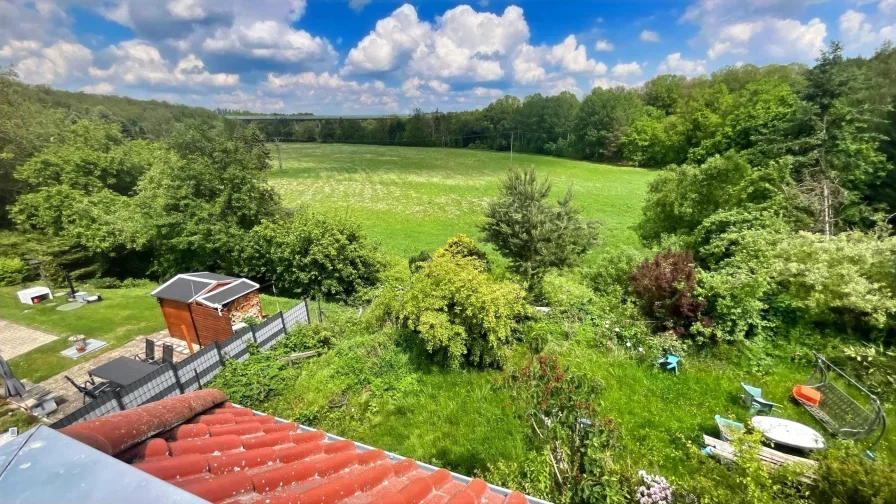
(457, 311)
(846, 476)
(12, 271)
(311, 255)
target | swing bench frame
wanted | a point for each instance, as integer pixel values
(840, 413)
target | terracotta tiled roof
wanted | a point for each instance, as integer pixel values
(225, 453)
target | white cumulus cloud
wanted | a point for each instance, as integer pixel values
(573, 58)
(270, 40)
(766, 29)
(626, 70)
(53, 64)
(605, 83)
(527, 65)
(462, 44)
(136, 62)
(675, 64)
(857, 31)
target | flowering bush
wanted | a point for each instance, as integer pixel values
(655, 490)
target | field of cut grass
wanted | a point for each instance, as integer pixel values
(411, 199)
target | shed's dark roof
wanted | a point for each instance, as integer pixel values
(217, 277)
(188, 286)
(229, 293)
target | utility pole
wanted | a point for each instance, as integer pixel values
(511, 147)
(277, 143)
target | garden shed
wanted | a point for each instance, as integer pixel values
(203, 307)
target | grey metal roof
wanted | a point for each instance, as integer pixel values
(211, 276)
(43, 465)
(229, 293)
(183, 289)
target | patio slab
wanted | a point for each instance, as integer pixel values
(16, 339)
(92, 345)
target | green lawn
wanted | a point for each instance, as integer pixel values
(411, 199)
(122, 315)
(457, 419)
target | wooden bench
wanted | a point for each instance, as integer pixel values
(303, 355)
(772, 458)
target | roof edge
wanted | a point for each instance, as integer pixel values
(460, 478)
(200, 299)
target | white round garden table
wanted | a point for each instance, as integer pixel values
(788, 433)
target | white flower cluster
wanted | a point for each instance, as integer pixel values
(656, 490)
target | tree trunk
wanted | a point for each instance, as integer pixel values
(826, 209)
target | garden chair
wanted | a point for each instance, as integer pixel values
(727, 428)
(90, 390)
(149, 353)
(753, 399)
(839, 411)
(669, 362)
(168, 353)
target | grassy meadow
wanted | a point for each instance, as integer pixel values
(411, 199)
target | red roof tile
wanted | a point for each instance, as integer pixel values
(229, 454)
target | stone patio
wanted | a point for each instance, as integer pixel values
(68, 399)
(16, 340)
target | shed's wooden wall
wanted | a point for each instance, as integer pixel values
(211, 326)
(178, 319)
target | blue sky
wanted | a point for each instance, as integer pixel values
(379, 56)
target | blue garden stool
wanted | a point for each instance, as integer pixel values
(753, 399)
(669, 362)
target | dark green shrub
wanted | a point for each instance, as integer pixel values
(106, 283)
(310, 255)
(254, 381)
(133, 283)
(415, 260)
(610, 272)
(302, 338)
(846, 476)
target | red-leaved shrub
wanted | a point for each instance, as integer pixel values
(666, 287)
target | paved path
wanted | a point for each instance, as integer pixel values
(16, 340)
(68, 399)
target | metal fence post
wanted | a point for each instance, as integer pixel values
(252, 332)
(173, 368)
(283, 321)
(220, 353)
(198, 381)
(307, 313)
(117, 394)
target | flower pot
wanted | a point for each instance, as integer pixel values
(80, 343)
